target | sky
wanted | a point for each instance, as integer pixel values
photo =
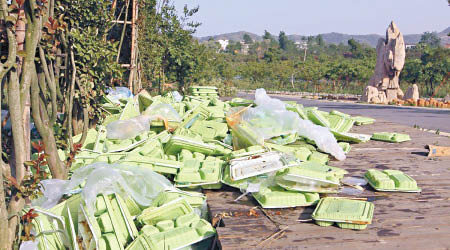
(313, 17)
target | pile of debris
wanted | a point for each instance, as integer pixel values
(137, 182)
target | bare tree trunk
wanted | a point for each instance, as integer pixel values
(42, 121)
(3, 211)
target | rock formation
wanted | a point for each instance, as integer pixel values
(412, 93)
(390, 61)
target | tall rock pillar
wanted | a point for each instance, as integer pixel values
(390, 61)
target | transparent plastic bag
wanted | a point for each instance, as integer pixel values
(354, 181)
(271, 119)
(29, 245)
(126, 129)
(176, 96)
(51, 190)
(141, 184)
(162, 110)
(117, 93)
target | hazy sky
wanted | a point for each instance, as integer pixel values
(318, 16)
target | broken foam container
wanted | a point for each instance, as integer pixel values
(277, 197)
(391, 181)
(156, 164)
(199, 173)
(48, 228)
(283, 139)
(237, 101)
(340, 123)
(90, 140)
(346, 147)
(252, 150)
(167, 211)
(130, 110)
(390, 137)
(145, 101)
(110, 227)
(111, 146)
(194, 144)
(167, 235)
(246, 167)
(226, 179)
(68, 210)
(244, 135)
(308, 179)
(301, 153)
(351, 137)
(318, 157)
(346, 213)
(318, 118)
(216, 112)
(195, 199)
(210, 130)
(338, 113)
(362, 120)
(199, 113)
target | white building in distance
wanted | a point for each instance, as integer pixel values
(223, 44)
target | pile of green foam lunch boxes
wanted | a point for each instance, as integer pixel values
(207, 149)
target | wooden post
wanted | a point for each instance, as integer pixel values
(133, 45)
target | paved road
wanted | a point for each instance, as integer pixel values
(423, 117)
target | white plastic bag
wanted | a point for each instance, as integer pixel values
(163, 110)
(142, 184)
(126, 129)
(51, 189)
(29, 245)
(176, 96)
(117, 93)
(270, 119)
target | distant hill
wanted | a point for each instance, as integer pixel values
(234, 36)
(335, 38)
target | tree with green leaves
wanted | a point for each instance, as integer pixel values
(167, 46)
(63, 68)
(431, 39)
(247, 39)
(267, 35)
(319, 40)
(283, 41)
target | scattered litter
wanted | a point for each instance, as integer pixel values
(29, 245)
(438, 151)
(390, 137)
(351, 190)
(119, 93)
(346, 213)
(135, 184)
(391, 181)
(126, 129)
(354, 181)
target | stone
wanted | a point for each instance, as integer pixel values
(369, 93)
(412, 93)
(390, 62)
(382, 97)
(400, 94)
(391, 94)
(447, 98)
(421, 102)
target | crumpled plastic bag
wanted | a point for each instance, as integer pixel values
(162, 110)
(177, 97)
(270, 118)
(142, 184)
(29, 245)
(126, 129)
(117, 93)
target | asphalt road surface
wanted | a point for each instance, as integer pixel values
(423, 117)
